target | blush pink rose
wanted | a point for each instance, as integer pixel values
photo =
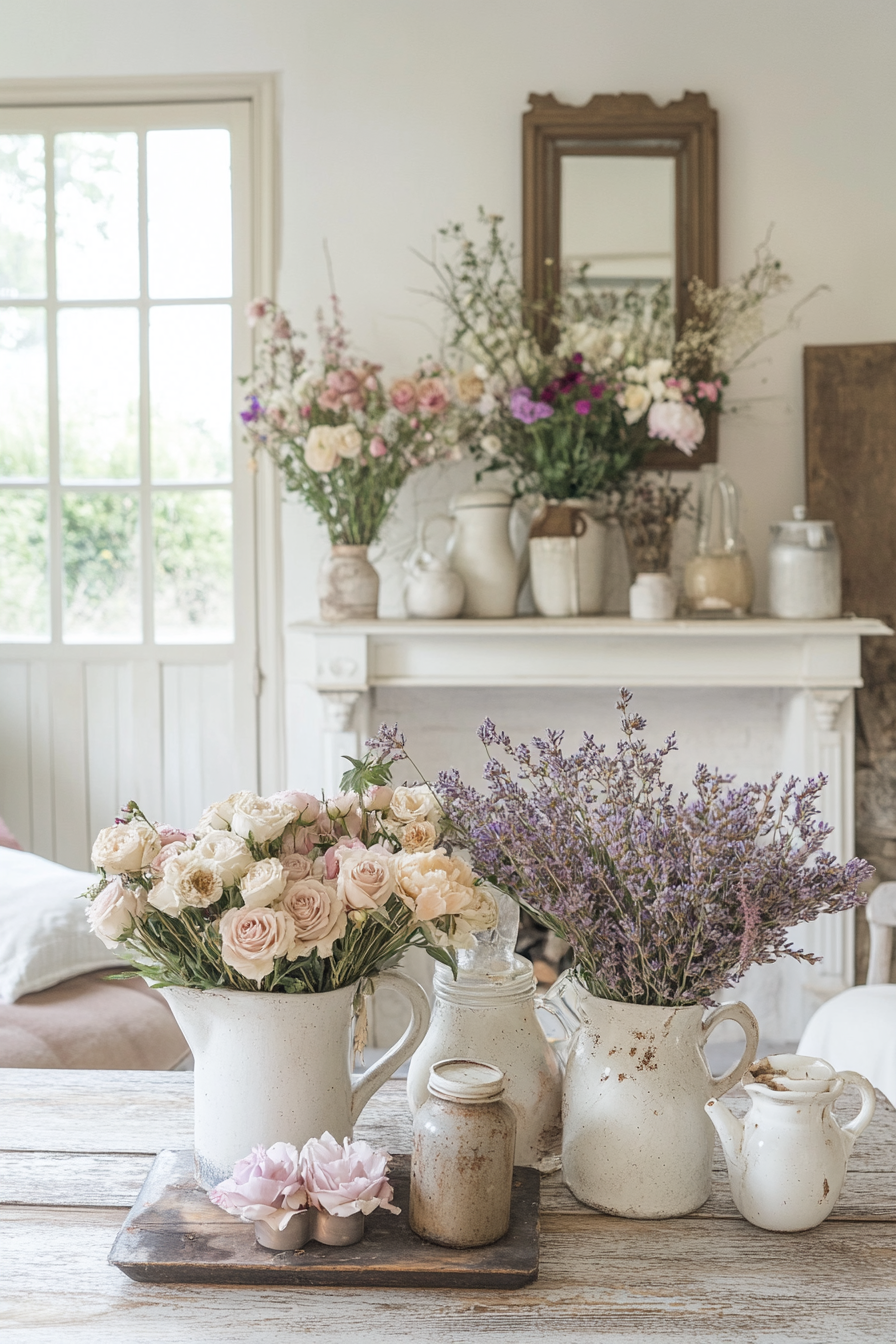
(317, 915)
(305, 806)
(332, 860)
(115, 911)
(346, 1178)
(366, 880)
(709, 391)
(678, 423)
(295, 866)
(403, 395)
(265, 1187)
(432, 396)
(252, 940)
(378, 446)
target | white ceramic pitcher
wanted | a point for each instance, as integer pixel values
(276, 1067)
(480, 551)
(636, 1139)
(787, 1159)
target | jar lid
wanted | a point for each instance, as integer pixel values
(465, 1080)
(482, 499)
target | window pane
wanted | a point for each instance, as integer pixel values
(96, 216)
(191, 391)
(23, 203)
(101, 568)
(23, 380)
(193, 537)
(99, 393)
(188, 189)
(24, 592)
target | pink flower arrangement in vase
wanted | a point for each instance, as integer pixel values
(328, 1189)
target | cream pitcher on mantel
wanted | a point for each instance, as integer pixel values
(480, 551)
(787, 1159)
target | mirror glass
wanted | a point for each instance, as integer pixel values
(617, 219)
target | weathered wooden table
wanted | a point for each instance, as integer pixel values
(75, 1147)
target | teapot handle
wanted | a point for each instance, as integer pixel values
(425, 525)
(861, 1121)
(739, 1013)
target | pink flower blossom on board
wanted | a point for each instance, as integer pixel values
(265, 1187)
(346, 1178)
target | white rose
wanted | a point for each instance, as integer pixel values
(318, 917)
(260, 819)
(215, 818)
(365, 880)
(490, 445)
(348, 440)
(322, 449)
(189, 879)
(227, 854)
(634, 400)
(658, 369)
(263, 883)
(128, 848)
(115, 911)
(252, 940)
(415, 804)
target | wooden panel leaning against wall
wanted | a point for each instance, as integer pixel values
(850, 418)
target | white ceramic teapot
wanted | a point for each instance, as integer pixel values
(787, 1159)
(433, 590)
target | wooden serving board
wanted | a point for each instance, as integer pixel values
(174, 1234)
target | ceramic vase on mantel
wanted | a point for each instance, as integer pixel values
(636, 1139)
(567, 547)
(348, 586)
(273, 1068)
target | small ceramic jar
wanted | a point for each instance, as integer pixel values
(462, 1160)
(652, 597)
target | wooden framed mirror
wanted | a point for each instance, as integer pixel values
(628, 190)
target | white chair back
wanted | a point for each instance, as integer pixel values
(881, 915)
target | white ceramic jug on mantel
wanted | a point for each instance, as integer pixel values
(480, 551)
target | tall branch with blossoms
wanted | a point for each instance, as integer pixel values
(664, 900)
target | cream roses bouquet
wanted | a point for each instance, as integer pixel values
(292, 893)
(344, 442)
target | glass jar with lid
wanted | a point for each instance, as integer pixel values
(804, 569)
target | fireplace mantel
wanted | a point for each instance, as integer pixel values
(817, 665)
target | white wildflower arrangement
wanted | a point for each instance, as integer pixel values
(572, 394)
(289, 894)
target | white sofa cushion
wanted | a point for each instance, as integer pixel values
(44, 934)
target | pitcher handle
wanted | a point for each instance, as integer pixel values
(739, 1013)
(372, 1080)
(553, 1002)
(861, 1121)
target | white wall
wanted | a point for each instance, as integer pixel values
(397, 116)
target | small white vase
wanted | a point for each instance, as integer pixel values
(348, 586)
(568, 571)
(273, 1068)
(636, 1139)
(652, 598)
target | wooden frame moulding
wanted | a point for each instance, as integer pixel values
(627, 123)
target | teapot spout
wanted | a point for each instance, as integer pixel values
(729, 1129)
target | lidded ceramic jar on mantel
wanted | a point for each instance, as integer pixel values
(803, 569)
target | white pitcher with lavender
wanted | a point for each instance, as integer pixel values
(665, 901)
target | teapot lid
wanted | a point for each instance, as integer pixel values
(481, 499)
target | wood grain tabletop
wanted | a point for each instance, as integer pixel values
(75, 1148)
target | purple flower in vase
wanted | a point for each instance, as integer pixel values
(582, 407)
(577, 358)
(598, 389)
(523, 408)
(255, 411)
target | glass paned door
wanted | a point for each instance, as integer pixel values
(125, 269)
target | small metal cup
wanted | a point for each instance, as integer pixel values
(334, 1231)
(294, 1235)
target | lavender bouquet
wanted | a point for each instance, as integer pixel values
(664, 900)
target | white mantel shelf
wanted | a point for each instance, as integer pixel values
(584, 651)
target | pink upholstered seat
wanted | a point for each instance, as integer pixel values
(91, 1022)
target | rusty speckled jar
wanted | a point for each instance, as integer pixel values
(462, 1161)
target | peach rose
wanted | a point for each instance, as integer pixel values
(252, 940)
(115, 911)
(403, 395)
(317, 916)
(433, 883)
(432, 396)
(365, 879)
(418, 836)
(469, 387)
(414, 804)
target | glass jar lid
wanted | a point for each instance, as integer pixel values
(465, 1080)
